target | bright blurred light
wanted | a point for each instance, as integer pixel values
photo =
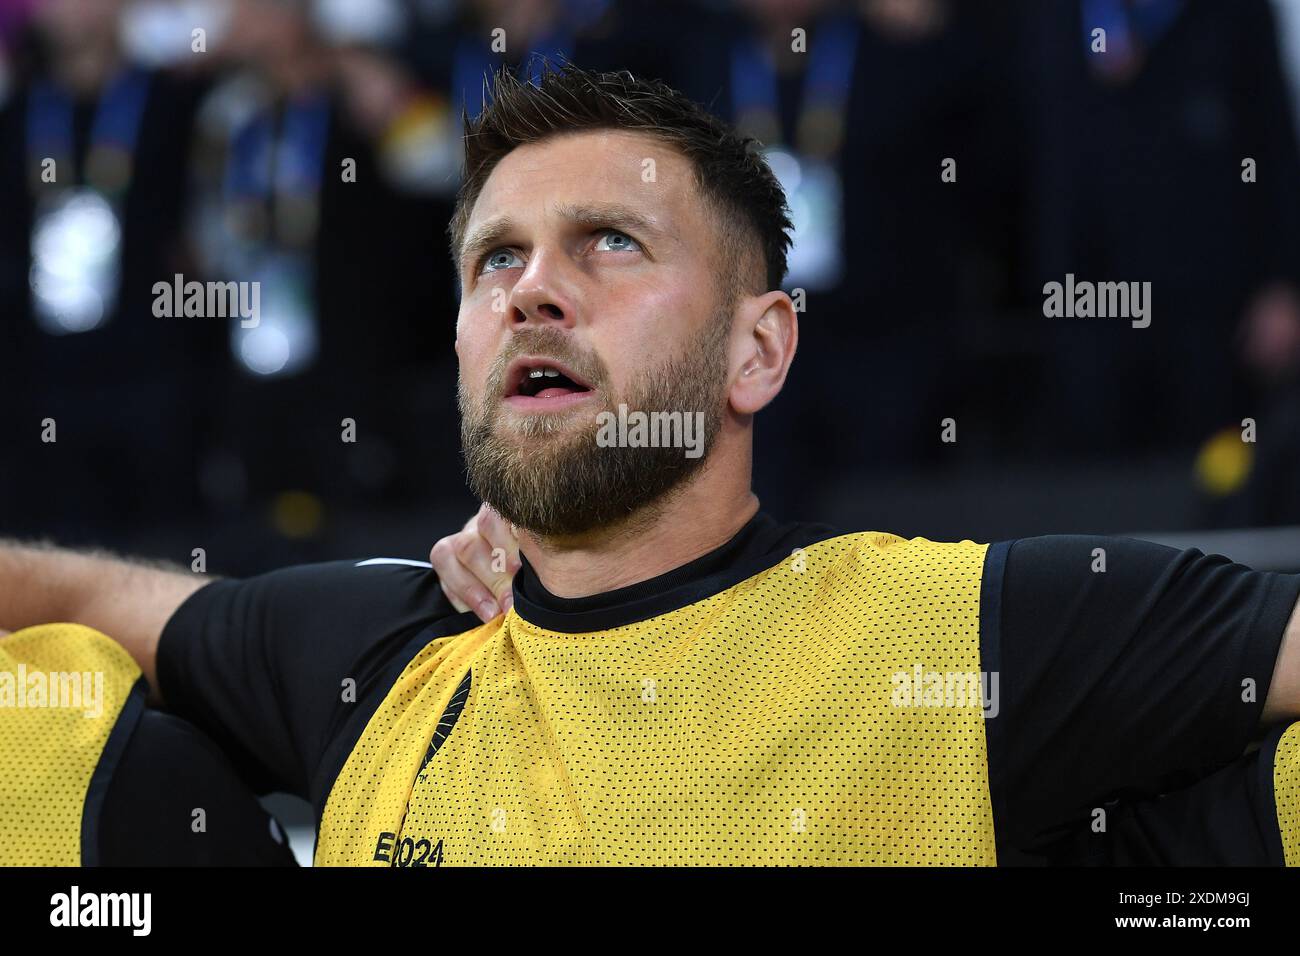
(76, 255)
(158, 32)
(284, 340)
(373, 22)
(785, 167)
(264, 351)
(814, 196)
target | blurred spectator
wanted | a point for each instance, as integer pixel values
(1288, 23)
(857, 123)
(357, 307)
(1135, 173)
(313, 146)
(93, 151)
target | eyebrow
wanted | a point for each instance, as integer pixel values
(612, 215)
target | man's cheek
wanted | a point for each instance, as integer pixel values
(475, 361)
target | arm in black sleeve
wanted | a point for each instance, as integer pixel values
(260, 665)
(1132, 680)
(167, 772)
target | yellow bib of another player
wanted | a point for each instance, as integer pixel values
(825, 710)
(1286, 792)
(67, 694)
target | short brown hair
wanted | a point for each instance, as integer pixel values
(730, 172)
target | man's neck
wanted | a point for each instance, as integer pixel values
(687, 527)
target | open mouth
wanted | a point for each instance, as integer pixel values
(540, 378)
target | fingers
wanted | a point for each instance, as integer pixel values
(463, 589)
(499, 534)
(476, 566)
(492, 555)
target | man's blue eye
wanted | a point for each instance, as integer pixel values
(505, 258)
(501, 259)
(619, 241)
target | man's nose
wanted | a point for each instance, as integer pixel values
(544, 294)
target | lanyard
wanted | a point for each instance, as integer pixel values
(116, 127)
(819, 125)
(286, 169)
(261, 166)
(474, 61)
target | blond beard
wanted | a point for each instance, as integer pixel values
(551, 483)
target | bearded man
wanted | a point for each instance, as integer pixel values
(677, 677)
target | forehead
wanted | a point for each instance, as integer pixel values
(593, 167)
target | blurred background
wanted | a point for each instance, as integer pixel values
(924, 297)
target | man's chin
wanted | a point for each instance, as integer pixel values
(513, 423)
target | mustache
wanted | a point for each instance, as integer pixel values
(547, 343)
